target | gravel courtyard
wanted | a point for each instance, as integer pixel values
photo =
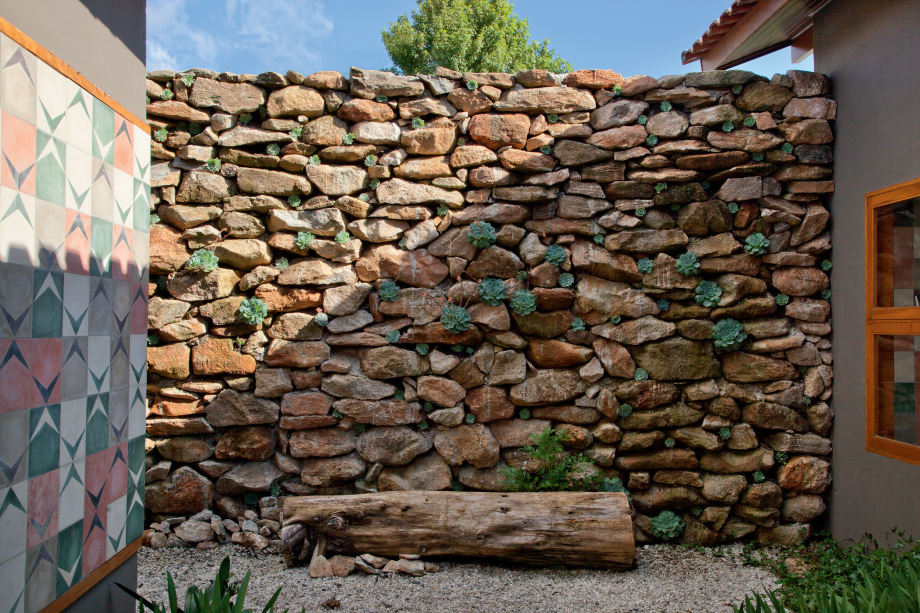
(668, 579)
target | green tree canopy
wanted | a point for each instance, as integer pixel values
(466, 35)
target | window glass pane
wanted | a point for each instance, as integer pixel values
(898, 240)
(898, 370)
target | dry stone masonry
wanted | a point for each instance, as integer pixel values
(389, 282)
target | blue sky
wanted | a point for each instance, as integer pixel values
(253, 36)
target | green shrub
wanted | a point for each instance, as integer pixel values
(382, 99)
(481, 234)
(725, 433)
(737, 89)
(454, 318)
(492, 292)
(253, 311)
(524, 414)
(194, 128)
(757, 157)
(374, 184)
(523, 302)
(315, 160)
(557, 470)
(786, 148)
(667, 526)
(154, 219)
(202, 261)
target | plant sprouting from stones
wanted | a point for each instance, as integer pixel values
(737, 89)
(239, 342)
(321, 319)
(348, 139)
(616, 90)
(422, 425)
(643, 119)
(422, 348)
(294, 201)
(759, 477)
(688, 264)
(666, 106)
(705, 185)
(708, 293)
(194, 128)
(728, 126)
(481, 234)
(616, 319)
(263, 112)
(202, 261)
(245, 118)
(160, 135)
(524, 414)
(640, 375)
(640, 212)
(388, 291)
(757, 157)
(578, 324)
(728, 334)
(521, 275)
(342, 237)
(697, 511)
(782, 299)
(399, 395)
(732, 207)
(725, 433)
(781, 457)
(756, 244)
(660, 187)
(667, 526)
(625, 410)
(296, 132)
(338, 414)
(370, 160)
(428, 407)
(566, 279)
(382, 99)
(558, 470)
(664, 304)
(806, 400)
(167, 94)
(152, 339)
(652, 140)
(786, 148)
(392, 336)
(418, 123)
(315, 161)
(442, 211)
(273, 149)
(365, 198)
(599, 239)
(825, 294)
(461, 141)
(454, 318)
(645, 265)
(826, 265)
(359, 428)
(523, 302)
(669, 443)
(750, 122)
(303, 239)
(188, 79)
(492, 292)
(154, 219)
(470, 418)
(471, 85)
(281, 263)
(214, 165)
(555, 255)
(546, 149)
(553, 118)
(374, 184)
(253, 311)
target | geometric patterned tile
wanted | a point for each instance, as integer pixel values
(118, 416)
(50, 181)
(18, 144)
(51, 110)
(94, 511)
(97, 423)
(73, 431)
(117, 485)
(100, 263)
(46, 371)
(48, 304)
(121, 306)
(79, 118)
(141, 155)
(13, 583)
(41, 575)
(116, 513)
(137, 412)
(124, 145)
(69, 556)
(138, 306)
(18, 72)
(17, 227)
(16, 301)
(122, 257)
(77, 228)
(14, 450)
(49, 235)
(123, 191)
(134, 525)
(103, 132)
(71, 489)
(43, 508)
(119, 372)
(100, 306)
(76, 305)
(74, 350)
(141, 205)
(44, 441)
(15, 377)
(102, 190)
(14, 520)
(79, 179)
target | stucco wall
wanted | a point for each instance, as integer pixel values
(109, 49)
(870, 51)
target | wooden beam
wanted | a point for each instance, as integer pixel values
(803, 45)
(752, 21)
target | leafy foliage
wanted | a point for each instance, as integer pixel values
(688, 264)
(825, 294)
(154, 219)
(492, 292)
(296, 132)
(188, 79)
(725, 433)
(392, 336)
(664, 304)
(245, 118)
(645, 265)
(708, 293)
(660, 187)
(782, 299)
(273, 149)
(253, 311)
(342, 237)
(555, 255)
(667, 526)
(472, 85)
(669, 442)
(578, 324)
(214, 165)
(454, 318)
(566, 279)
(523, 302)
(759, 477)
(481, 234)
(382, 99)
(303, 239)
(470, 36)
(640, 212)
(556, 471)
(418, 123)
(388, 291)
(728, 334)
(202, 261)
(756, 244)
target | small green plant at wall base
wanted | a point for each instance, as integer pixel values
(471, 85)
(665, 106)
(273, 149)
(667, 526)
(152, 339)
(296, 132)
(315, 161)
(566, 279)
(245, 118)
(360, 428)
(669, 443)
(688, 264)
(521, 275)
(214, 165)
(253, 311)
(418, 123)
(421, 348)
(370, 160)
(756, 244)
(825, 294)
(492, 292)
(558, 471)
(553, 118)
(238, 342)
(454, 318)
(321, 320)
(759, 477)
(728, 334)
(422, 425)
(616, 319)
(663, 304)
(392, 336)
(470, 418)
(708, 293)
(728, 126)
(154, 219)
(625, 410)
(160, 135)
(481, 234)
(640, 212)
(826, 265)
(640, 375)
(616, 90)
(643, 119)
(342, 237)
(281, 263)
(732, 207)
(166, 94)
(782, 299)
(303, 239)
(348, 139)
(388, 291)
(294, 201)
(750, 122)
(645, 265)
(555, 255)
(524, 414)
(599, 239)
(725, 433)
(147, 99)
(546, 149)
(660, 187)
(757, 157)
(523, 302)
(578, 324)
(786, 148)
(652, 140)
(338, 414)
(202, 261)
(374, 184)
(382, 99)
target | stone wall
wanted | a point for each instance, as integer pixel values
(671, 235)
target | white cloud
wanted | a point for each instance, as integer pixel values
(282, 34)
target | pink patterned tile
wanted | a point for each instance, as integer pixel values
(17, 143)
(117, 485)
(122, 258)
(77, 229)
(15, 379)
(124, 145)
(139, 308)
(46, 371)
(43, 508)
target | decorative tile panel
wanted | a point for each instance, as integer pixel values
(74, 245)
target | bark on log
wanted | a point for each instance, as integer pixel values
(574, 529)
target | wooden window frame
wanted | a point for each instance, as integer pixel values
(884, 321)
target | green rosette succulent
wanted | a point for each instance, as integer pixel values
(555, 255)
(303, 239)
(688, 264)
(492, 292)
(728, 334)
(481, 234)
(418, 123)
(321, 320)
(566, 279)
(523, 302)
(708, 293)
(782, 299)
(273, 149)
(422, 348)
(454, 318)
(645, 266)
(388, 291)
(756, 244)
(578, 324)
(202, 261)
(214, 165)
(253, 311)
(640, 375)
(392, 336)
(667, 526)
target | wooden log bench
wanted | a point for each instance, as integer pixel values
(572, 529)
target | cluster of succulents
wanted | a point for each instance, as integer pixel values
(370, 160)
(422, 348)
(625, 410)
(578, 324)
(273, 149)
(652, 140)
(348, 139)
(492, 292)
(282, 263)
(728, 334)
(481, 234)
(388, 291)
(342, 237)
(253, 311)
(688, 264)
(454, 318)
(202, 261)
(523, 302)
(640, 375)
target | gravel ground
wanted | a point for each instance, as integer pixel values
(668, 579)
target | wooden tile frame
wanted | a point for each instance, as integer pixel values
(884, 320)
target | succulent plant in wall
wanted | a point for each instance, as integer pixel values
(782, 299)
(194, 128)
(523, 302)
(806, 400)
(214, 165)
(481, 234)
(422, 348)
(708, 293)
(643, 120)
(786, 148)
(348, 139)
(442, 211)
(338, 414)
(370, 160)
(728, 126)
(725, 433)
(697, 511)
(781, 457)
(546, 149)
(728, 334)
(825, 294)
(521, 275)
(263, 112)
(454, 318)
(640, 212)
(669, 442)
(826, 265)
(470, 418)
(293, 201)
(245, 118)
(665, 106)
(616, 319)
(154, 219)
(750, 122)
(296, 132)
(688, 264)
(756, 244)
(737, 89)
(461, 141)
(759, 477)
(428, 407)
(667, 526)
(555, 255)
(166, 94)
(152, 339)
(640, 375)
(382, 99)
(578, 324)
(553, 118)
(321, 319)
(471, 85)
(492, 292)
(625, 410)
(616, 90)
(342, 237)
(160, 135)
(645, 265)
(366, 198)
(399, 395)
(422, 425)
(392, 336)
(253, 311)
(202, 261)
(388, 291)
(660, 187)
(566, 279)
(273, 149)
(524, 414)
(652, 140)
(315, 161)
(303, 239)
(188, 79)
(664, 304)
(599, 239)
(374, 184)
(705, 184)
(757, 157)
(732, 207)
(281, 263)
(359, 428)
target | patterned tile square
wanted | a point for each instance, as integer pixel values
(94, 510)
(44, 442)
(122, 298)
(49, 235)
(79, 118)
(100, 262)
(120, 372)
(141, 204)
(124, 145)
(71, 488)
(77, 229)
(100, 306)
(134, 525)
(138, 354)
(141, 254)
(99, 364)
(103, 132)
(12, 584)
(118, 416)
(46, 371)
(17, 142)
(43, 508)
(117, 485)
(14, 520)
(76, 305)
(123, 190)
(102, 192)
(122, 257)
(69, 556)
(14, 449)
(138, 306)
(73, 430)
(79, 179)
(137, 412)
(16, 301)
(17, 227)
(18, 71)
(97, 423)
(41, 575)
(116, 513)
(141, 155)
(15, 379)
(50, 179)
(48, 304)
(51, 110)
(73, 367)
